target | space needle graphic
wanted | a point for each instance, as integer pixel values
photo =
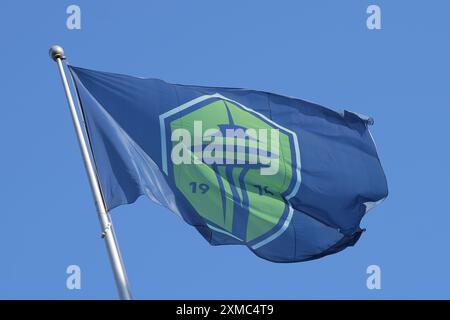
(241, 204)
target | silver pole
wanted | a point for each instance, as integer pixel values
(57, 54)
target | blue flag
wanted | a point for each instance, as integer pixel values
(289, 179)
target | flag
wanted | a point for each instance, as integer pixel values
(289, 179)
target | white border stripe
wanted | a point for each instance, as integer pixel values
(163, 144)
(223, 231)
(278, 233)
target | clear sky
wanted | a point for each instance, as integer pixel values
(320, 51)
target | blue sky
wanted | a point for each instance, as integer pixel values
(319, 51)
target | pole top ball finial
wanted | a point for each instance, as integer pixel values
(56, 52)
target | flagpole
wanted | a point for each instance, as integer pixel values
(57, 54)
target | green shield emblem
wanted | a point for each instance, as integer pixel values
(236, 167)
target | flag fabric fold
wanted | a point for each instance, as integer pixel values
(289, 179)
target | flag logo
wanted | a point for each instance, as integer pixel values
(236, 167)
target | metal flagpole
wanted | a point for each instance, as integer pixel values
(57, 54)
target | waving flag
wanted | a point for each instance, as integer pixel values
(289, 179)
